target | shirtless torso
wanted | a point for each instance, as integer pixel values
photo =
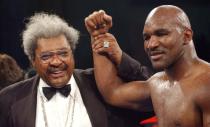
(180, 94)
(180, 103)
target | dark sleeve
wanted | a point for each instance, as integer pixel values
(131, 70)
(4, 110)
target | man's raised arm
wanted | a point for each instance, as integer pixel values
(134, 95)
(127, 68)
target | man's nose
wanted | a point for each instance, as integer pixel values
(153, 42)
(56, 61)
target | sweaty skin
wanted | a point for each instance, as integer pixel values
(179, 94)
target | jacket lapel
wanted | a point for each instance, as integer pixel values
(91, 98)
(24, 110)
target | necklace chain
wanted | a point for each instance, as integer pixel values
(72, 116)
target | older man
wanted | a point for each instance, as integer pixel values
(59, 95)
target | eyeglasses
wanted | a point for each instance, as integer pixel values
(47, 57)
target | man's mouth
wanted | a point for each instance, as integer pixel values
(57, 71)
(57, 74)
(156, 55)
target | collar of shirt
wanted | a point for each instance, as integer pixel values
(57, 108)
(73, 86)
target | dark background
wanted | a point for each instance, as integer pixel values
(128, 17)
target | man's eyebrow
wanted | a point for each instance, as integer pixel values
(60, 49)
(162, 30)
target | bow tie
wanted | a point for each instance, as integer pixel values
(49, 92)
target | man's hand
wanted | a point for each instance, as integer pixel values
(113, 50)
(98, 23)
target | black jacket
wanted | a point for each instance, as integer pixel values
(18, 104)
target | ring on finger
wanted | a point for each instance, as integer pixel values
(106, 44)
